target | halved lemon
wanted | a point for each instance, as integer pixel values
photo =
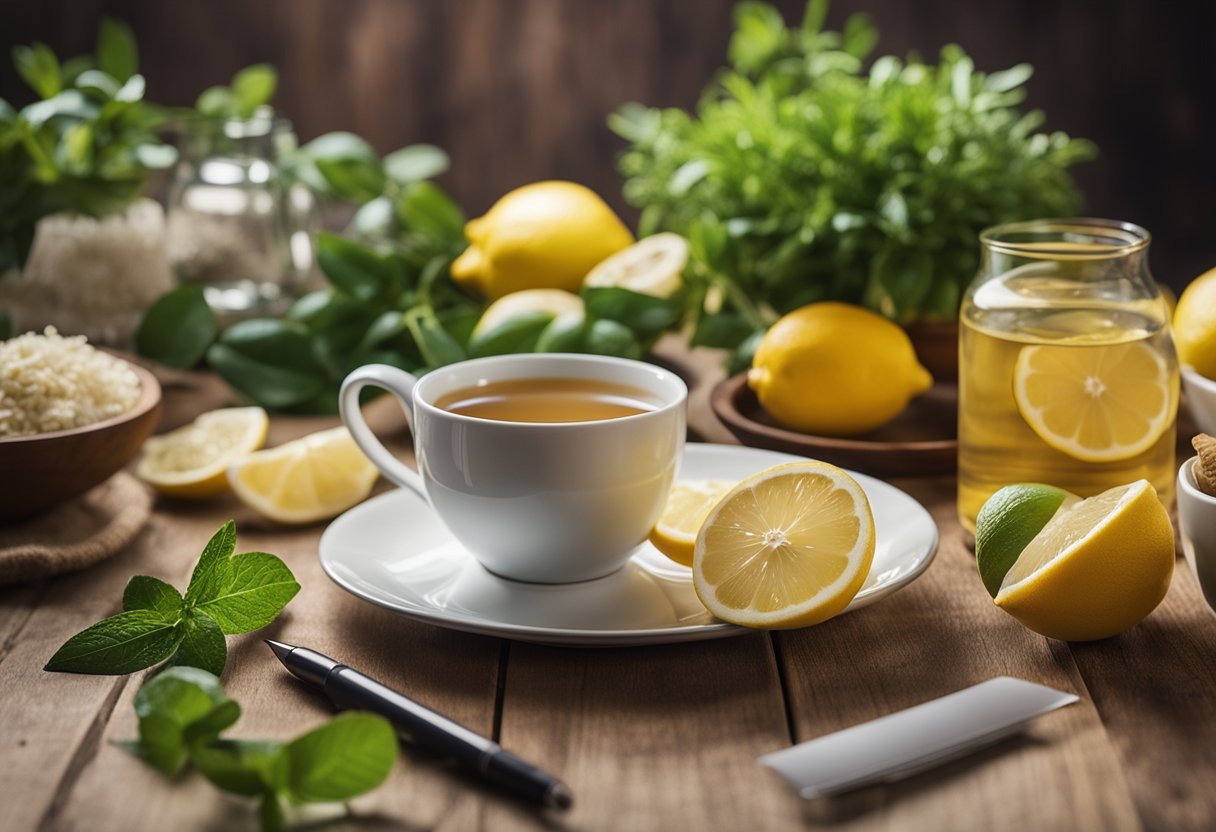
(1096, 403)
(787, 547)
(689, 503)
(1097, 567)
(193, 460)
(652, 266)
(308, 479)
(551, 302)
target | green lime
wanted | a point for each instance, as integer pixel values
(1006, 524)
(563, 334)
(607, 337)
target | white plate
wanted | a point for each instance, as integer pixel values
(394, 552)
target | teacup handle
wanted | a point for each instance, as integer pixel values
(400, 384)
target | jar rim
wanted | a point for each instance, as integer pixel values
(1040, 239)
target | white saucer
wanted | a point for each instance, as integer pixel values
(394, 552)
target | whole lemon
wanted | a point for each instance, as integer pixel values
(546, 235)
(836, 370)
(1195, 324)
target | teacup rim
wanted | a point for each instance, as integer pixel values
(1187, 484)
(680, 400)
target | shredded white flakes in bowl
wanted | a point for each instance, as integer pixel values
(49, 382)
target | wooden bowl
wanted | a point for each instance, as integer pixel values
(43, 470)
(921, 441)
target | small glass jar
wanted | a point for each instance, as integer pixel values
(1067, 369)
(237, 226)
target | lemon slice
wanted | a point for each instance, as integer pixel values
(308, 479)
(689, 503)
(787, 547)
(651, 266)
(192, 461)
(549, 301)
(1097, 404)
(1097, 567)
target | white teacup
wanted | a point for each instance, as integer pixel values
(548, 502)
(1197, 525)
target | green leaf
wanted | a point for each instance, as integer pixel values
(242, 767)
(39, 67)
(271, 363)
(374, 218)
(338, 145)
(214, 102)
(357, 270)
(415, 163)
(146, 593)
(180, 708)
(426, 208)
(724, 330)
(356, 179)
(119, 644)
(565, 333)
(253, 87)
(203, 645)
(349, 755)
(249, 592)
(117, 54)
(206, 579)
(438, 348)
(517, 334)
(605, 337)
(644, 315)
(177, 329)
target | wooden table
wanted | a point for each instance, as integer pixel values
(661, 738)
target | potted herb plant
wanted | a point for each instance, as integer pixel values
(80, 248)
(804, 176)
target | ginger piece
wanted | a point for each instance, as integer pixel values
(1205, 466)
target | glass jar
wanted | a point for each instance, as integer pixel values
(237, 226)
(1067, 370)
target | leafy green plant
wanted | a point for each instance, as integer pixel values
(183, 711)
(228, 594)
(250, 90)
(85, 146)
(803, 177)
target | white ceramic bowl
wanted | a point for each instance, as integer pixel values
(1201, 398)
(1197, 523)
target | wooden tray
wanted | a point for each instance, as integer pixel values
(922, 441)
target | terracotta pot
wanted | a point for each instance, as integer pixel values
(936, 344)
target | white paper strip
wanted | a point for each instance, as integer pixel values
(893, 747)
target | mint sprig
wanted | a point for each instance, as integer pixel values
(228, 594)
(183, 710)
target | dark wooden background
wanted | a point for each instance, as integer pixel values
(517, 90)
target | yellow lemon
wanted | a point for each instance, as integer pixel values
(689, 503)
(192, 461)
(787, 547)
(1195, 325)
(546, 235)
(311, 478)
(1098, 566)
(1096, 403)
(837, 370)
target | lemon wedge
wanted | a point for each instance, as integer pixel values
(1097, 567)
(1096, 403)
(787, 547)
(689, 503)
(308, 479)
(193, 460)
(652, 266)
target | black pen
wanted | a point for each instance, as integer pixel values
(348, 688)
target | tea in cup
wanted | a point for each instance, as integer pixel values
(549, 468)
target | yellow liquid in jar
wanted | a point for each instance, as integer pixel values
(997, 446)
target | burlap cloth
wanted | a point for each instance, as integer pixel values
(77, 534)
